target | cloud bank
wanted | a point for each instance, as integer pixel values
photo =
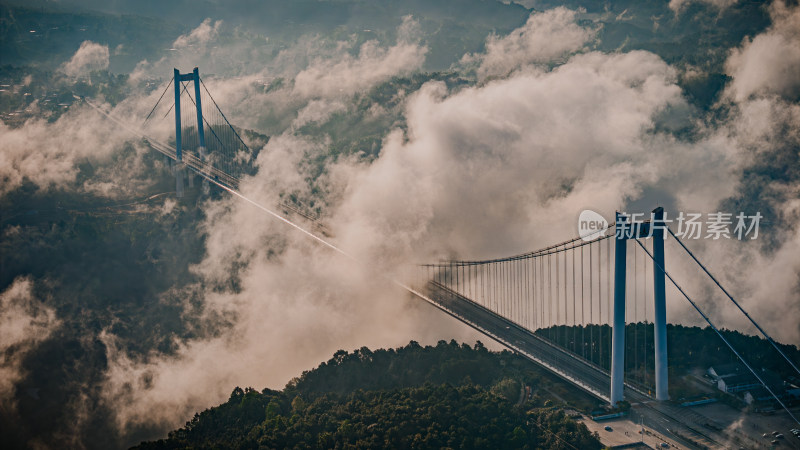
(346, 75)
(679, 5)
(546, 37)
(768, 64)
(24, 322)
(764, 122)
(90, 57)
(48, 154)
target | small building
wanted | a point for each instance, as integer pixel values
(759, 395)
(726, 370)
(736, 379)
(737, 383)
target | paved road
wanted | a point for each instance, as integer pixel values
(671, 421)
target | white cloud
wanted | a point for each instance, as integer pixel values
(679, 5)
(90, 56)
(48, 154)
(200, 36)
(24, 322)
(495, 159)
(200, 47)
(764, 125)
(344, 75)
(294, 305)
(549, 36)
(768, 63)
(318, 111)
(307, 81)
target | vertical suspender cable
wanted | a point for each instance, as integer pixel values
(574, 305)
(504, 274)
(601, 328)
(514, 289)
(537, 283)
(646, 351)
(495, 293)
(564, 323)
(557, 297)
(541, 293)
(516, 285)
(527, 294)
(583, 311)
(591, 305)
(458, 284)
(549, 297)
(608, 292)
(637, 309)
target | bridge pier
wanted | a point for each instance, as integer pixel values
(618, 325)
(179, 180)
(204, 181)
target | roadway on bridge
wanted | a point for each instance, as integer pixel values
(670, 421)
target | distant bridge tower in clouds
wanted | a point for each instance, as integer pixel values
(193, 76)
(625, 230)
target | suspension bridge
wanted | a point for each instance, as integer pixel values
(591, 310)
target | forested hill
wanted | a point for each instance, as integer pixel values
(449, 395)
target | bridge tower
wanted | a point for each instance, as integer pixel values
(660, 300)
(618, 325)
(624, 231)
(193, 76)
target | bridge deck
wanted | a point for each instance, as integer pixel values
(581, 373)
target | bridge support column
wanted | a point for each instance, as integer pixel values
(201, 134)
(178, 154)
(618, 325)
(659, 296)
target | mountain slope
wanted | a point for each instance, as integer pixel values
(413, 397)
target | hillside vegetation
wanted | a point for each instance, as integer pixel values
(446, 396)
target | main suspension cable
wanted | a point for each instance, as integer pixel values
(159, 101)
(716, 330)
(735, 302)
